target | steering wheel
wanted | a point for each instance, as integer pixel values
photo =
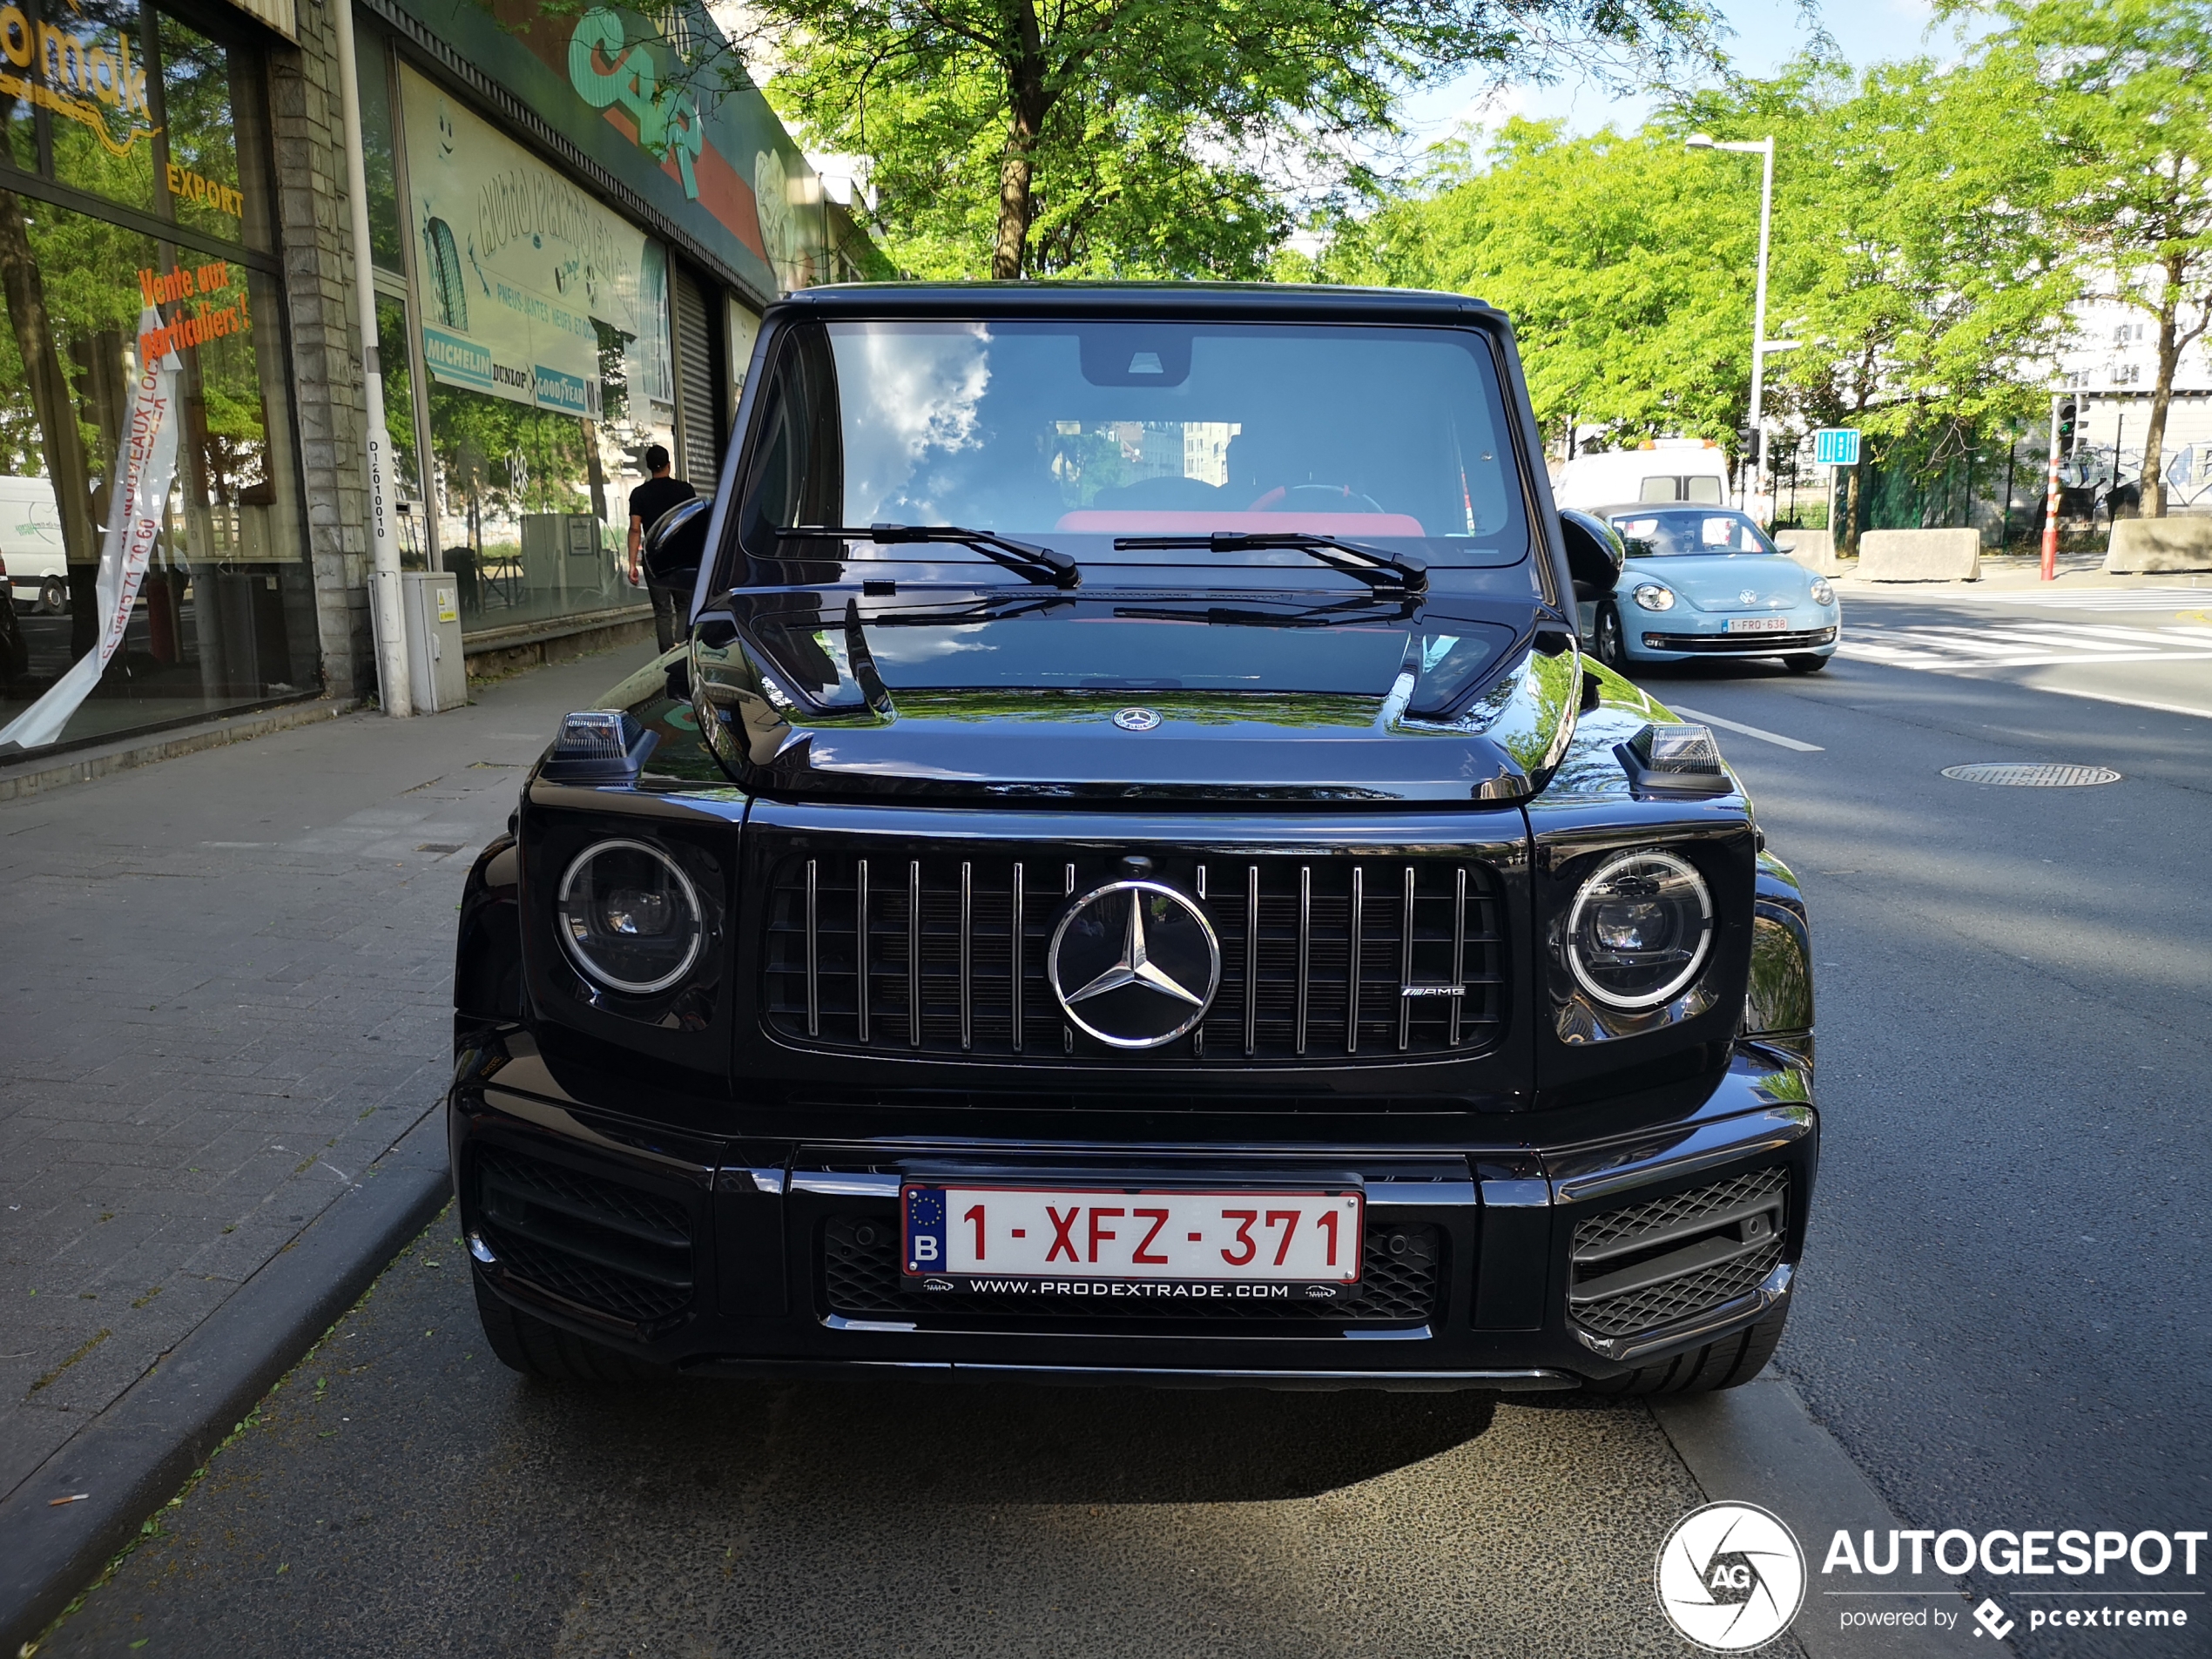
(1316, 498)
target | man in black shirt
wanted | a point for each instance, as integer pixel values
(647, 502)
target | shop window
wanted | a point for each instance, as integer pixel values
(543, 323)
(223, 612)
(376, 150)
(149, 501)
(199, 140)
(95, 66)
(409, 522)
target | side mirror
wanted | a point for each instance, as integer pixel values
(676, 541)
(1594, 553)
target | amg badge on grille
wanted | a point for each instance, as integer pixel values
(1133, 963)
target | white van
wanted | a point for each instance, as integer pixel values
(1685, 469)
(31, 543)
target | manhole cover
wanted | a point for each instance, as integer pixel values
(2021, 776)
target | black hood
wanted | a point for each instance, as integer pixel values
(1134, 694)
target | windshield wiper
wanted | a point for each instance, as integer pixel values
(1407, 570)
(1366, 607)
(1025, 558)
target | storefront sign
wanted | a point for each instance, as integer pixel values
(520, 267)
(614, 82)
(92, 79)
(187, 185)
(144, 464)
(607, 72)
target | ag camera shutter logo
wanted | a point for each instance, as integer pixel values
(1731, 1577)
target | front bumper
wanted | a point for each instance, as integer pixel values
(1679, 637)
(762, 1259)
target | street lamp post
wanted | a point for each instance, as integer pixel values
(1763, 148)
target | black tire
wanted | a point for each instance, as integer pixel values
(1606, 643)
(521, 1342)
(53, 597)
(1804, 663)
(1729, 1363)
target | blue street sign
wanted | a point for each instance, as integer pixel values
(1835, 446)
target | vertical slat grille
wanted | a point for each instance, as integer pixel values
(951, 959)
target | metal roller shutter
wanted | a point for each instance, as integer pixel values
(698, 385)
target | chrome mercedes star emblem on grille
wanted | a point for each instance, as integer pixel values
(1133, 963)
(1137, 719)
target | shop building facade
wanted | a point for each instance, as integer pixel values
(575, 220)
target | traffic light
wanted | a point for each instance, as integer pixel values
(2068, 412)
(1751, 436)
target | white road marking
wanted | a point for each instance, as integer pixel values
(2094, 599)
(1946, 647)
(2125, 702)
(1763, 736)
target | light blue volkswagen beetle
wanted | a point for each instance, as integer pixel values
(1700, 582)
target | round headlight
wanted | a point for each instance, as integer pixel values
(1822, 593)
(1652, 597)
(1639, 929)
(629, 917)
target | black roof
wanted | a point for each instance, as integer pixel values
(1243, 301)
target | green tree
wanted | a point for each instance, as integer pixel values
(1625, 266)
(1910, 260)
(2126, 91)
(1139, 137)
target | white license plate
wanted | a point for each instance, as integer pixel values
(1226, 1236)
(1758, 625)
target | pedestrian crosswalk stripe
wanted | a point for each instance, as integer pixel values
(2094, 599)
(2026, 645)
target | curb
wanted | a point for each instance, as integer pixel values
(136, 1454)
(21, 781)
(1757, 1444)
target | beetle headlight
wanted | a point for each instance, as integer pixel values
(1822, 593)
(1640, 929)
(1652, 597)
(629, 917)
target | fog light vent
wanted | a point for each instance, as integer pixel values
(1653, 1263)
(615, 1249)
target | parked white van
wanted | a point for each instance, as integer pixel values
(31, 544)
(1685, 469)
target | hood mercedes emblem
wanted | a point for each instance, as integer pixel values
(1133, 963)
(1137, 719)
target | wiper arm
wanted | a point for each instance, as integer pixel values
(1407, 571)
(1360, 608)
(1025, 558)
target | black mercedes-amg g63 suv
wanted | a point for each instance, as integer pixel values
(1131, 878)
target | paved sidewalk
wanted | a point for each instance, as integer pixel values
(225, 985)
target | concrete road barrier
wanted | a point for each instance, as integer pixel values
(2143, 546)
(1920, 556)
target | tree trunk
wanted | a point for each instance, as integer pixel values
(1012, 250)
(51, 399)
(1028, 104)
(2161, 395)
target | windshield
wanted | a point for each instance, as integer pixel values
(1654, 535)
(1074, 434)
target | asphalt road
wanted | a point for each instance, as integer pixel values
(401, 1495)
(2003, 1309)
(2000, 1316)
